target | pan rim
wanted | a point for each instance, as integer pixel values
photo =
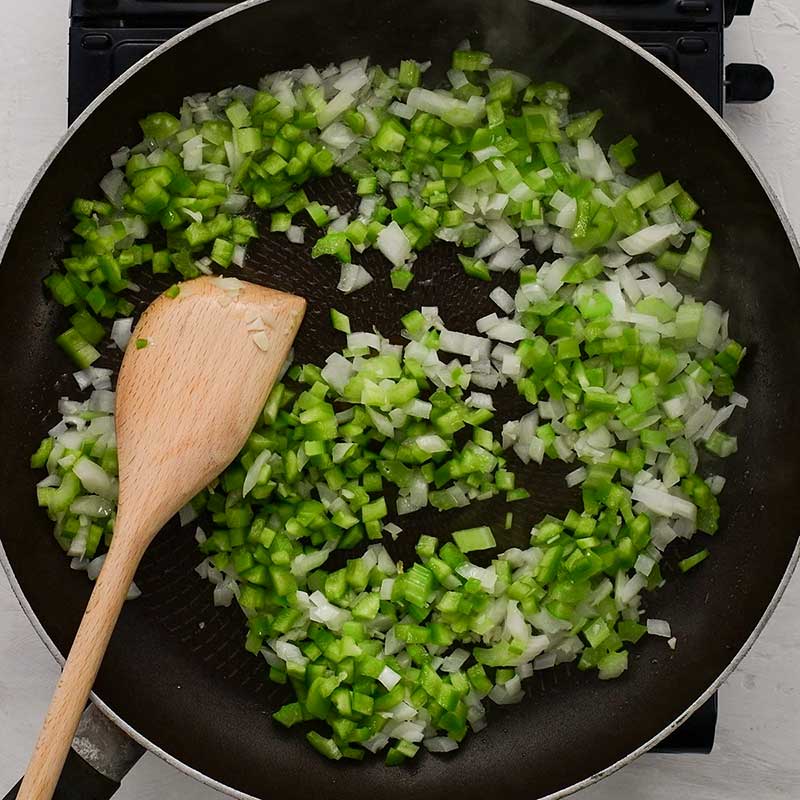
(621, 40)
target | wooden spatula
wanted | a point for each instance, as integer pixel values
(193, 381)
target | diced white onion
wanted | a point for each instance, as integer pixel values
(659, 627)
(394, 244)
(503, 299)
(187, 514)
(508, 331)
(648, 239)
(440, 744)
(352, 278)
(576, 477)
(664, 503)
(389, 678)
(121, 332)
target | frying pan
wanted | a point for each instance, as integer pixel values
(191, 693)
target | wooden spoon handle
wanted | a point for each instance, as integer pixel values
(80, 670)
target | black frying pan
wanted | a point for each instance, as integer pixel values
(194, 695)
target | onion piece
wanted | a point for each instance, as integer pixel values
(503, 299)
(659, 627)
(394, 244)
(353, 277)
(648, 239)
(121, 332)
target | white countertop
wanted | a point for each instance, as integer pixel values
(759, 727)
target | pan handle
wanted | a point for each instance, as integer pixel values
(78, 781)
(747, 83)
(100, 757)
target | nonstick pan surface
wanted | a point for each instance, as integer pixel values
(190, 691)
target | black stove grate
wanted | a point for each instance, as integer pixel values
(109, 36)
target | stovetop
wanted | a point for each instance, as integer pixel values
(108, 36)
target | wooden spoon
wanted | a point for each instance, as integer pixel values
(186, 403)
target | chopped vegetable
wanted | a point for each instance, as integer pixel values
(622, 372)
(471, 539)
(692, 561)
(477, 165)
(340, 322)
